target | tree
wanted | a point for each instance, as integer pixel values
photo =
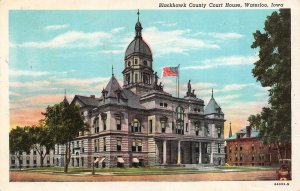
(41, 140)
(19, 142)
(64, 122)
(273, 70)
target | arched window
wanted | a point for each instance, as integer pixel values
(197, 127)
(219, 132)
(135, 125)
(163, 124)
(96, 124)
(179, 120)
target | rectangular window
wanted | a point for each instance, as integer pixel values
(104, 144)
(219, 132)
(252, 147)
(139, 145)
(96, 145)
(82, 147)
(197, 148)
(163, 126)
(219, 148)
(13, 160)
(118, 122)
(186, 127)
(253, 157)
(119, 144)
(34, 152)
(134, 145)
(241, 147)
(27, 160)
(197, 127)
(21, 161)
(104, 124)
(161, 104)
(151, 126)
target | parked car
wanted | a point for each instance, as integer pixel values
(284, 172)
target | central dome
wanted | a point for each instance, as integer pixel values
(138, 46)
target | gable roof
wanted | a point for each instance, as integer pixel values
(86, 100)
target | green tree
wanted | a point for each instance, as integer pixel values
(65, 122)
(273, 70)
(19, 142)
(41, 140)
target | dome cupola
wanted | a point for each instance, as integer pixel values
(138, 72)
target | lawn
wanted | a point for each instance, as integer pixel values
(116, 171)
(148, 170)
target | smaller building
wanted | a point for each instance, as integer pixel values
(31, 159)
(245, 147)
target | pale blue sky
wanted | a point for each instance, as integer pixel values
(53, 50)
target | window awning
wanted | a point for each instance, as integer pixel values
(135, 160)
(120, 160)
(97, 160)
(102, 159)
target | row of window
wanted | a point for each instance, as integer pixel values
(136, 145)
(145, 78)
(27, 159)
(261, 147)
(260, 157)
(136, 62)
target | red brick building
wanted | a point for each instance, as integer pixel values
(246, 148)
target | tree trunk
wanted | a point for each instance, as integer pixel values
(42, 160)
(279, 153)
(19, 159)
(67, 157)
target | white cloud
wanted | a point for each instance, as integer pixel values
(221, 36)
(166, 24)
(14, 72)
(223, 61)
(174, 41)
(71, 39)
(112, 51)
(55, 27)
(234, 87)
(117, 30)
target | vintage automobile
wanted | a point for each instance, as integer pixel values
(284, 171)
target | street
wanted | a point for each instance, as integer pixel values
(22, 176)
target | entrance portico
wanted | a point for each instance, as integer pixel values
(171, 151)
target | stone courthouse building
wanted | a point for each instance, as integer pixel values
(139, 124)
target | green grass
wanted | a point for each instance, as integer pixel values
(148, 170)
(115, 170)
(246, 168)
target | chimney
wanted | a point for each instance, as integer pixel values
(92, 96)
(248, 131)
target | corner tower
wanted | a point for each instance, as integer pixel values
(138, 73)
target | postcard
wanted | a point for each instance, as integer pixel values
(166, 95)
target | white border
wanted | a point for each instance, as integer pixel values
(6, 5)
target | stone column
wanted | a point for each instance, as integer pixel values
(179, 154)
(165, 152)
(200, 153)
(211, 153)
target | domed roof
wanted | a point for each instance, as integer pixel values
(138, 45)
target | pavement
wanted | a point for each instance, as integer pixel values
(26, 176)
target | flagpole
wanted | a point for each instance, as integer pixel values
(178, 81)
